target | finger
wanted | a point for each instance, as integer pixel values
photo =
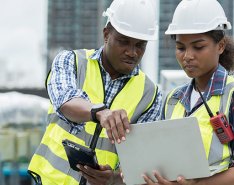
(159, 178)
(181, 180)
(94, 176)
(121, 175)
(102, 172)
(105, 167)
(114, 131)
(90, 179)
(87, 170)
(105, 172)
(119, 125)
(101, 177)
(92, 172)
(107, 126)
(125, 120)
(147, 179)
(81, 168)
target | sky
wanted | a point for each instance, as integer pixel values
(22, 43)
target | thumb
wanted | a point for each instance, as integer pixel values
(181, 180)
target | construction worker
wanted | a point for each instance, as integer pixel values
(103, 85)
(206, 55)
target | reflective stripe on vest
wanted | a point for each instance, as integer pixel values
(217, 154)
(136, 96)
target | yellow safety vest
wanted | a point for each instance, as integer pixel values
(218, 154)
(50, 161)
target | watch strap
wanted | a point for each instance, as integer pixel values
(96, 109)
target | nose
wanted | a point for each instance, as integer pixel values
(188, 55)
(131, 51)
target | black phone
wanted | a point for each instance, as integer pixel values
(78, 154)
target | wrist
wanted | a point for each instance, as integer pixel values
(99, 114)
(95, 109)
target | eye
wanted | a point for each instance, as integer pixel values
(180, 48)
(122, 42)
(141, 45)
(198, 47)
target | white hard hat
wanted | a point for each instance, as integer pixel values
(133, 18)
(198, 16)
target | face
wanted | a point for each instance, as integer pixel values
(121, 53)
(198, 55)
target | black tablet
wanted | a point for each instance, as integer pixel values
(78, 154)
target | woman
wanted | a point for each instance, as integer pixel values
(206, 55)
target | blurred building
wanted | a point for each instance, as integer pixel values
(74, 24)
(22, 48)
(22, 44)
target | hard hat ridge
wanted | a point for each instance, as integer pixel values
(198, 16)
(133, 18)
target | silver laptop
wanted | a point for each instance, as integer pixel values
(171, 147)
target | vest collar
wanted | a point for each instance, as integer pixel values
(215, 87)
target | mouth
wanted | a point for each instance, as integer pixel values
(129, 62)
(189, 67)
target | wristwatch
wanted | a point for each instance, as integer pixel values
(96, 108)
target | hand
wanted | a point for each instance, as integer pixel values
(161, 181)
(97, 177)
(115, 122)
(121, 176)
(182, 181)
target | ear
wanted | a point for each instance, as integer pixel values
(106, 33)
(221, 46)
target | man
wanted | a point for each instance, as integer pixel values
(103, 86)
